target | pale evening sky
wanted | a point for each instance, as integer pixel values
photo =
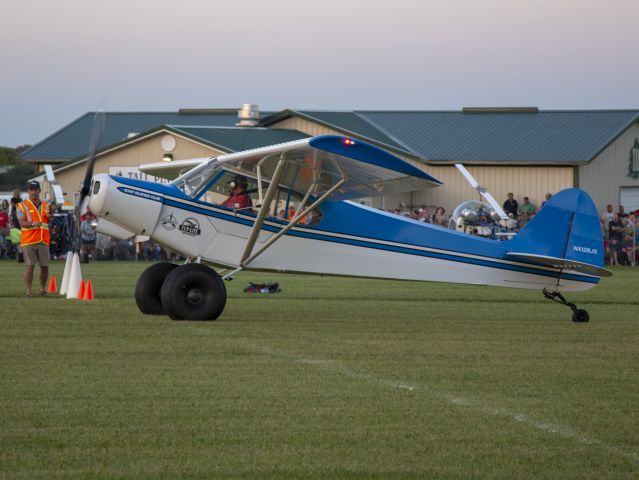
(63, 58)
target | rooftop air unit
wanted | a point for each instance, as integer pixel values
(249, 115)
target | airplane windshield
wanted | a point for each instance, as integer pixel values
(194, 180)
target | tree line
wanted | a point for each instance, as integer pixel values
(14, 173)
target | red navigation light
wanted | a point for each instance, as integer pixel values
(348, 141)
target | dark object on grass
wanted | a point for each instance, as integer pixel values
(273, 287)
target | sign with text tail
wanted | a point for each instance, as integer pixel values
(74, 278)
(67, 273)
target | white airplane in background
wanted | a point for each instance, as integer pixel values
(313, 181)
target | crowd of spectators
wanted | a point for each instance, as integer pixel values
(620, 231)
(93, 246)
(619, 228)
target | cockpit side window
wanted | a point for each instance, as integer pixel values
(218, 190)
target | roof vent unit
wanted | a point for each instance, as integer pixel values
(249, 115)
(500, 110)
(132, 134)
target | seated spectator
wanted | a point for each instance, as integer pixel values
(13, 242)
(526, 207)
(523, 219)
(439, 218)
(425, 216)
(511, 205)
(548, 197)
(402, 210)
(124, 250)
(151, 251)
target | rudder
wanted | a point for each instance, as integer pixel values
(566, 228)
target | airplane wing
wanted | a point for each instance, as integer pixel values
(322, 162)
(171, 170)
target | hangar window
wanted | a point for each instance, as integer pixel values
(633, 169)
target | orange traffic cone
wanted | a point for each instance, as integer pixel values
(53, 286)
(81, 290)
(88, 291)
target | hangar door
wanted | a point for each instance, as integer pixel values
(629, 198)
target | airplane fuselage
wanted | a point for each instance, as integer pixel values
(351, 240)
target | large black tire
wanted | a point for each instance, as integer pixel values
(147, 289)
(193, 292)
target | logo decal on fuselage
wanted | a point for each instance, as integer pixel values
(190, 226)
(169, 222)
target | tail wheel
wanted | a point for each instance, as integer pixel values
(193, 292)
(147, 289)
(580, 316)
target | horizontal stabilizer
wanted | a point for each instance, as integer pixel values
(565, 263)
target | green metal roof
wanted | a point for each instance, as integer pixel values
(73, 141)
(472, 135)
(506, 136)
(237, 139)
(350, 123)
(483, 135)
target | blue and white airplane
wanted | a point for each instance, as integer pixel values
(303, 219)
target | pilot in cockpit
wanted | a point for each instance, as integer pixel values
(239, 198)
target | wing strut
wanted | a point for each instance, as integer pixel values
(248, 256)
(264, 207)
(293, 221)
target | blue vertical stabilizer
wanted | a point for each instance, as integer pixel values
(565, 233)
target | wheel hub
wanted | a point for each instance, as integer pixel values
(194, 295)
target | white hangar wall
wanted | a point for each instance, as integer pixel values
(131, 154)
(607, 173)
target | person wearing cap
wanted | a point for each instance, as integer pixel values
(238, 199)
(33, 217)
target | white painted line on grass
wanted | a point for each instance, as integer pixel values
(456, 400)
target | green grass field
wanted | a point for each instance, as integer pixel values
(332, 378)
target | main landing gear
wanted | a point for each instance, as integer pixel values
(188, 292)
(579, 315)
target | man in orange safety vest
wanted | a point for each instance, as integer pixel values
(34, 220)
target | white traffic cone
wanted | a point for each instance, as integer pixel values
(67, 273)
(75, 277)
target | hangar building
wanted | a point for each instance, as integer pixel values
(527, 151)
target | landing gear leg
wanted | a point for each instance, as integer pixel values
(579, 315)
